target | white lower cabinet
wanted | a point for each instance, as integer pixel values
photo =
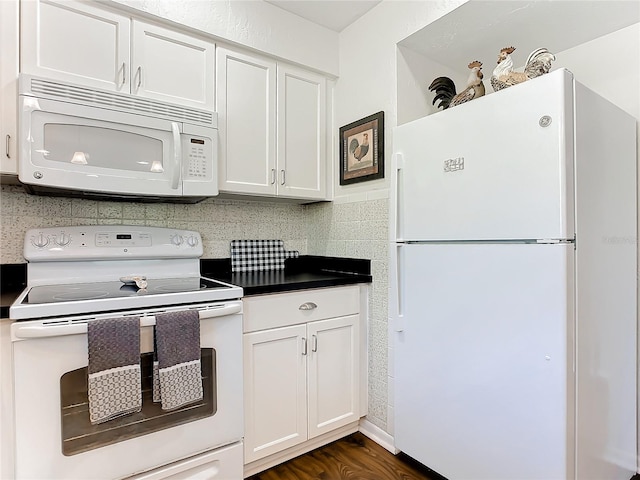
(301, 379)
(332, 374)
(275, 388)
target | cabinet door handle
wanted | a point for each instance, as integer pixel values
(304, 346)
(139, 75)
(7, 145)
(273, 176)
(314, 343)
(124, 73)
(282, 175)
(307, 306)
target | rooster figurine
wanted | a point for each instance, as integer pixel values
(446, 90)
(538, 63)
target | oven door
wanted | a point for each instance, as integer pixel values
(54, 438)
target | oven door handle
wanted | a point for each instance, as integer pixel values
(42, 331)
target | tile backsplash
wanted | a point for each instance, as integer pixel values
(360, 229)
(218, 221)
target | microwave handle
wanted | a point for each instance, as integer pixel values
(177, 153)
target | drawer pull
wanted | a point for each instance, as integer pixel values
(307, 306)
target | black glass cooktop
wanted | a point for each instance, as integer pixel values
(100, 290)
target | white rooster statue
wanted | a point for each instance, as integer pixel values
(446, 90)
(538, 63)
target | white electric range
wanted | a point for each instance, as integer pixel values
(81, 273)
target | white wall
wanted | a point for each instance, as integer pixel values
(367, 82)
(254, 24)
(610, 66)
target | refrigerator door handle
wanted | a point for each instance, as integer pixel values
(398, 325)
(397, 215)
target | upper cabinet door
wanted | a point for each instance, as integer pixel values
(301, 133)
(75, 42)
(8, 84)
(171, 66)
(246, 106)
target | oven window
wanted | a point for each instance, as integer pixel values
(79, 435)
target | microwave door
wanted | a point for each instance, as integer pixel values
(98, 150)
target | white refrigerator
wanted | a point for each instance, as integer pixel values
(513, 286)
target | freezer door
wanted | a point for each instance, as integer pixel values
(483, 359)
(499, 167)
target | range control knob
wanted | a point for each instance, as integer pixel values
(177, 240)
(63, 239)
(192, 240)
(40, 240)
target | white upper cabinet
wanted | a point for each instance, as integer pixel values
(77, 43)
(8, 85)
(171, 66)
(246, 106)
(301, 133)
(87, 45)
(272, 124)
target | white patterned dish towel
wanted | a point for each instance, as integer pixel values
(114, 383)
(178, 380)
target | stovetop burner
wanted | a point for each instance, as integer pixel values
(79, 294)
(90, 291)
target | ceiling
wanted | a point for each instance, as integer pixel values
(333, 14)
(478, 29)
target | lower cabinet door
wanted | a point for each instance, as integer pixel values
(274, 390)
(333, 373)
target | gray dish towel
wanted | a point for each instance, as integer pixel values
(177, 338)
(114, 384)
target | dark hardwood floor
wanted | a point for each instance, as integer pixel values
(354, 457)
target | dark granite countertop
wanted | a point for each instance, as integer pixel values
(306, 271)
(13, 280)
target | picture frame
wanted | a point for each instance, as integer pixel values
(362, 150)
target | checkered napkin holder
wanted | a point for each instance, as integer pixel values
(259, 255)
(114, 383)
(177, 373)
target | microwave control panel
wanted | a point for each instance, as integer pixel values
(198, 154)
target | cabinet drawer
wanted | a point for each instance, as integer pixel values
(282, 309)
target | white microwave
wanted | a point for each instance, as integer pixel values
(79, 141)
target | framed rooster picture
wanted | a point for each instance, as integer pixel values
(362, 150)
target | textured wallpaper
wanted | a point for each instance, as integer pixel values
(218, 221)
(360, 230)
(356, 229)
